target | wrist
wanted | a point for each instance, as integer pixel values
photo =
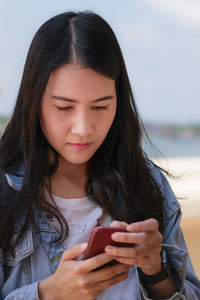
(155, 268)
(163, 274)
(44, 289)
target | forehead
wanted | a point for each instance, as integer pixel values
(78, 81)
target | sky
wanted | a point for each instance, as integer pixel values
(160, 41)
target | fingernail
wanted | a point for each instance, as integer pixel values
(108, 249)
(83, 246)
(131, 227)
(116, 236)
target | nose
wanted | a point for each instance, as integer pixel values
(82, 125)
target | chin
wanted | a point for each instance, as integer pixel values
(77, 161)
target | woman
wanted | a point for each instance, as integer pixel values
(71, 159)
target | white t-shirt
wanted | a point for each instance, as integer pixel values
(82, 216)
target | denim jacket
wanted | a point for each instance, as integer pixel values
(35, 258)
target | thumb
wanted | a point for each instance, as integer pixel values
(73, 252)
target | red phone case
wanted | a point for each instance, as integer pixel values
(100, 238)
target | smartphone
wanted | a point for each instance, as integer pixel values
(99, 239)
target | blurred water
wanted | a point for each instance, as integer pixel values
(173, 146)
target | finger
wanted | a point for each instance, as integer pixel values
(73, 252)
(131, 252)
(120, 251)
(148, 238)
(149, 225)
(108, 272)
(112, 281)
(141, 262)
(130, 261)
(93, 263)
(118, 224)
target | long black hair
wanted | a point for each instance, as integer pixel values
(119, 179)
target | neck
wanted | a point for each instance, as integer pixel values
(72, 172)
(69, 180)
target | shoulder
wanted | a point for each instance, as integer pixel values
(3, 184)
(171, 205)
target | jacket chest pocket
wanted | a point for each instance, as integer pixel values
(20, 259)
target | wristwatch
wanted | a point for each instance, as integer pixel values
(162, 275)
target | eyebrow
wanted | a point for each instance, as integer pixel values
(109, 97)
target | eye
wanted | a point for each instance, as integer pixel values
(64, 107)
(100, 107)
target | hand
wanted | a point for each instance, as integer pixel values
(75, 279)
(146, 251)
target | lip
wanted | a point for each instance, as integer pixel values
(80, 146)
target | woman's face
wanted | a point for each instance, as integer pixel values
(78, 106)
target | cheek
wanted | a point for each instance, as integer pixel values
(111, 117)
(53, 130)
(105, 123)
(50, 124)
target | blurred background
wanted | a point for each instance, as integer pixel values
(160, 41)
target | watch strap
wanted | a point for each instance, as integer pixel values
(156, 278)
